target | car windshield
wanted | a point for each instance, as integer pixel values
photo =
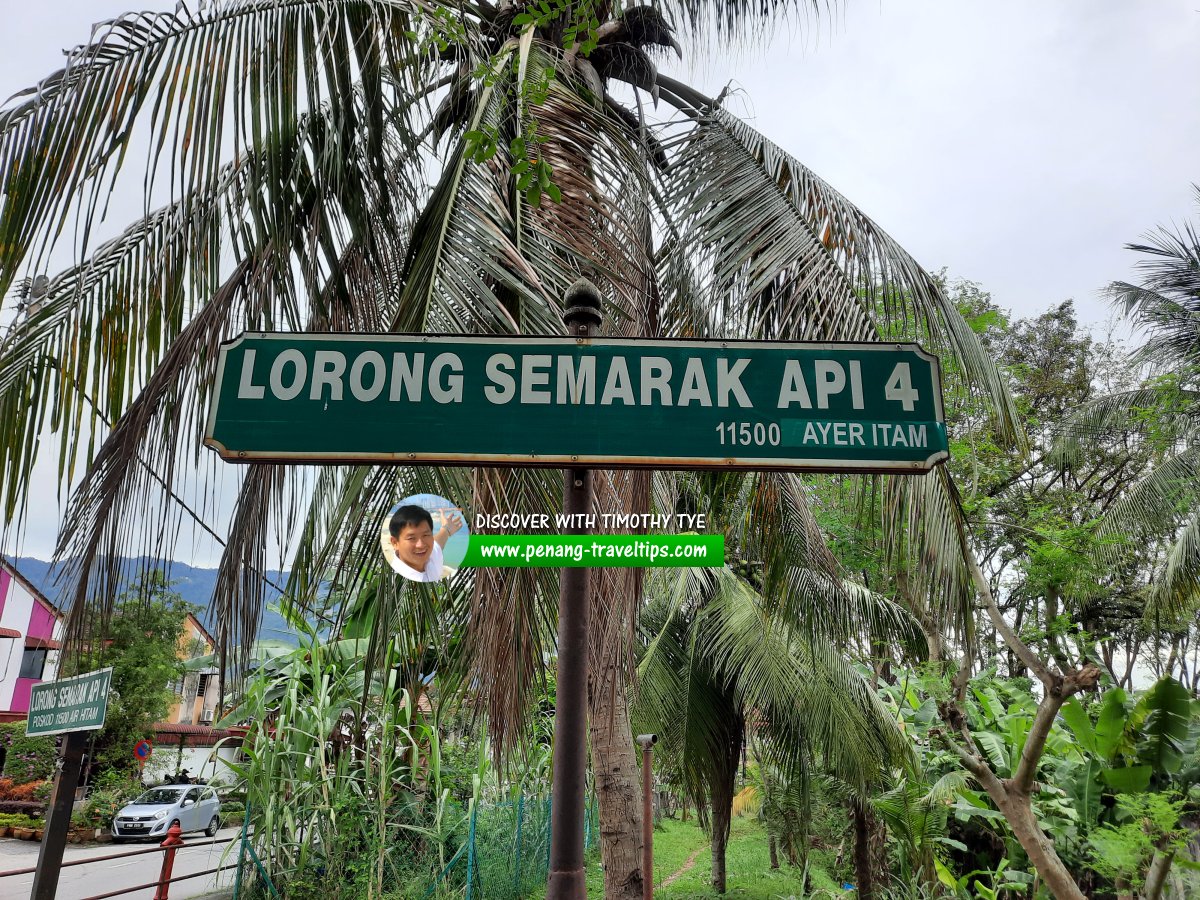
(157, 797)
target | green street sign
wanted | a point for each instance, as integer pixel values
(353, 398)
(70, 704)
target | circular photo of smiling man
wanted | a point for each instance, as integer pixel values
(424, 537)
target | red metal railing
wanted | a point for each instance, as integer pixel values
(169, 847)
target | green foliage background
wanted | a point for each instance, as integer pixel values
(26, 758)
(142, 645)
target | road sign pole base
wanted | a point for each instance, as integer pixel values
(54, 839)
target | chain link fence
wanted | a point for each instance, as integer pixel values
(507, 851)
(500, 851)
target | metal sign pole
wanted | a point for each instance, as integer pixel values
(54, 839)
(565, 879)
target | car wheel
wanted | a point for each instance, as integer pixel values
(213, 824)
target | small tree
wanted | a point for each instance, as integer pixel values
(141, 644)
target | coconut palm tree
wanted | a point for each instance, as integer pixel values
(763, 648)
(719, 665)
(404, 165)
(1164, 412)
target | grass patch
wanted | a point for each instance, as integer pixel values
(747, 866)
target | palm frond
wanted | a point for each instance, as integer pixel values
(191, 82)
(241, 587)
(72, 355)
(926, 538)
(786, 256)
(464, 246)
(947, 787)
(741, 20)
(1177, 591)
(729, 649)
(135, 465)
(338, 497)
(1161, 406)
(513, 612)
(805, 689)
(124, 483)
(1160, 502)
(1165, 302)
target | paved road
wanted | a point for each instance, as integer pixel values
(80, 882)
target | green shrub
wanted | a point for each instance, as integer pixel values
(102, 806)
(232, 813)
(20, 820)
(26, 758)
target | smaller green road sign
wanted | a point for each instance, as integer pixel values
(72, 704)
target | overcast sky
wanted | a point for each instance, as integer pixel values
(1020, 144)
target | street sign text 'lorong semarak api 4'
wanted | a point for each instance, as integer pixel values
(79, 703)
(564, 401)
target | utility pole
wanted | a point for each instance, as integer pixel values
(565, 879)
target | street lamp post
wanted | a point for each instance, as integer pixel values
(565, 879)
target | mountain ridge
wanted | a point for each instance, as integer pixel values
(193, 583)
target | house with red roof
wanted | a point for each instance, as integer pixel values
(30, 630)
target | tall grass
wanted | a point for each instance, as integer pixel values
(343, 779)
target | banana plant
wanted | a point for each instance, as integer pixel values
(1138, 746)
(1001, 882)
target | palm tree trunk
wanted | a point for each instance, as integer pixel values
(614, 764)
(720, 792)
(774, 851)
(866, 846)
(615, 597)
(721, 814)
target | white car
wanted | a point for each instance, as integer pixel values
(193, 807)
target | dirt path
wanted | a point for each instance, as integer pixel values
(691, 861)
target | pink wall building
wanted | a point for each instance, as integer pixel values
(30, 629)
